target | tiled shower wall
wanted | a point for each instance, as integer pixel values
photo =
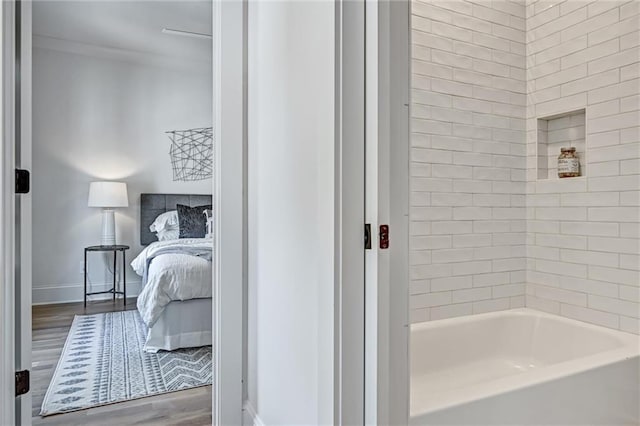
(475, 241)
(583, 233)
(468, 157)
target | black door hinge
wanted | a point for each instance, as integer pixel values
(367, 236)
(23, 184)
(22, 382)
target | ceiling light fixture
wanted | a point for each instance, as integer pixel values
(186, 33)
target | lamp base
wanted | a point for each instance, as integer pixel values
(108, 228)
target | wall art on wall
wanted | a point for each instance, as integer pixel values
(191, 154)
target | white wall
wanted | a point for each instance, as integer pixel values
(583, 233)
(291, 211)
(467, 217)
(102, 117)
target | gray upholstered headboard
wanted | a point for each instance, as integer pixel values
(153, 205)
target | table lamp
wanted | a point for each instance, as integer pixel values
(108, 195)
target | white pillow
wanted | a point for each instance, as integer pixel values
(209, 214)
(165, 221)
(168, 234)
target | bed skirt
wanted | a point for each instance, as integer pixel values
(182, 324)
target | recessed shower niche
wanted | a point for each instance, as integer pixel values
(556, 132)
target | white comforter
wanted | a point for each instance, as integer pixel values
(172, 276)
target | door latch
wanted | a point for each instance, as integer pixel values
(384, 237)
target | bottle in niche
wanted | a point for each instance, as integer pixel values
(568, 163)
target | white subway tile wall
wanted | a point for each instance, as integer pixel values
(468, 158)
(486, 233)
(583, 237)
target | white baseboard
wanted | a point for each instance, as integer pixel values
(250, 417)
(46, 295)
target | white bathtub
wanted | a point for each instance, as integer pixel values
(523, 367)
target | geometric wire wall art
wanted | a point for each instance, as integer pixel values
(191, 154)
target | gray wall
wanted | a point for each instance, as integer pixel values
(102, 117)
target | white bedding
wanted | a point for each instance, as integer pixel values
(172, 276)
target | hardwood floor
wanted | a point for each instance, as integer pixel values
(51, 324)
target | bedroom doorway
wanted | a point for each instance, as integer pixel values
(67, 57)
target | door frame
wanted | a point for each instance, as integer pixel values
(15, 210)
(230, 207)
(230, 182)
(7, 211)
(387, 189)
(396, 65)
(349, 289)
(23, 202)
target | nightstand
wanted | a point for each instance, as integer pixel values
(115, 249)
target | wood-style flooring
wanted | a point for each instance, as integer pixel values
(51, 325)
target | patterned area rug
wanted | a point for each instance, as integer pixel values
(103, 362)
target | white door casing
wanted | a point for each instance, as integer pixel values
(349, 408)
(7, 239)
(396, 64)
(387, 203)
(229, 280)
(15, 296)
(374, 258)
(23, 202)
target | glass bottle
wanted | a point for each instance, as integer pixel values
(568, 163)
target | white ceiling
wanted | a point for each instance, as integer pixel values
(130, 25)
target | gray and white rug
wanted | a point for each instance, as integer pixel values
(103, 362)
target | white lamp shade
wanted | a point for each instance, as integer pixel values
(108, 194)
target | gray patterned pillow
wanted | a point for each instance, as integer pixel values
(193, 223)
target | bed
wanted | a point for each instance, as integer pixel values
(175, 301)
